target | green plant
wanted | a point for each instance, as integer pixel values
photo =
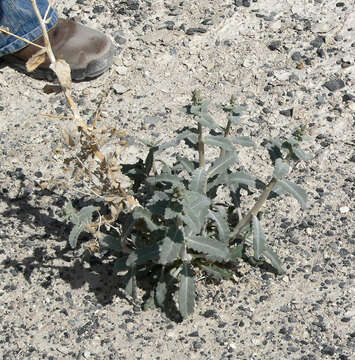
(189, 216)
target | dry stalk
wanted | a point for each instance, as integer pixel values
(5, 30)
(116, 196)
(60, 68)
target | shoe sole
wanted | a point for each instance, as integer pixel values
(92, 71)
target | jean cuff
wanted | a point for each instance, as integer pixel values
(33, 35)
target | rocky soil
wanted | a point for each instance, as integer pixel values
(292, 64)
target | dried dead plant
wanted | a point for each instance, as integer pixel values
(91, 152)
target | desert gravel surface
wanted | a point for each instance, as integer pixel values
(292, 64)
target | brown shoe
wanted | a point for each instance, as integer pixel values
(88, 52)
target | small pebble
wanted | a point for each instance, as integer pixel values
(194, 334)
(292, 349)
(346, 98)
(296, 56)
(327, 350)
(333, 85)
(169, 25)
(274, 45)
(317, 268)
(176, 12)
(288, 112)
(98, 9)
(192, 31)
(321, 53)
(207, 22)
(318, 41)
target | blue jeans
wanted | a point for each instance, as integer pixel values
(20, 18)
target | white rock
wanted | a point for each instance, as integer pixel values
(321, 28)
(282, 75)
(249, 62)
(119, 89)
(344, 209)
(121, 70)
(348, 58)
(276, 25)
(232, 346)
(256, 341)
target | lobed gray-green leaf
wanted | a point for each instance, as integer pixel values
(196, 208)
(285, 186)
(220, 141)
(241, 178)
(188, 165)
(111, 242)
(120, 264)
(275, 260)
(141, 213)
(258, 238)
(188, 135)
(186, 296)
(143, 255)
(171, 246)
(172, 179)
(221, 222)
(213, 249)
(217, 272)
(281, 169)
(198, 180)
(244, 141)
(301, 154)
(74, 235)
(236, 252)
(131, 286)
(160, 293)
(85, 214)
(223, 163)
(206, 120)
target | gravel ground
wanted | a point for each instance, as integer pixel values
(292, 63)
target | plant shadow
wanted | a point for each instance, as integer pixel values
(96, 271)
(93, 270)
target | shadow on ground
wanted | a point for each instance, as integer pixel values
(96, 271)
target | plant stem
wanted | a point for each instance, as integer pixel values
(2, 30)
(201, 147)
(226, 133)
(227, 129)
(44, 31)
(256, 208)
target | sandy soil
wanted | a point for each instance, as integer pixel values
(274, 55)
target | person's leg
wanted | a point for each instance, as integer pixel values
(20, 18)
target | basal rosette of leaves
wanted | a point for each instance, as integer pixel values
(181, 225)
